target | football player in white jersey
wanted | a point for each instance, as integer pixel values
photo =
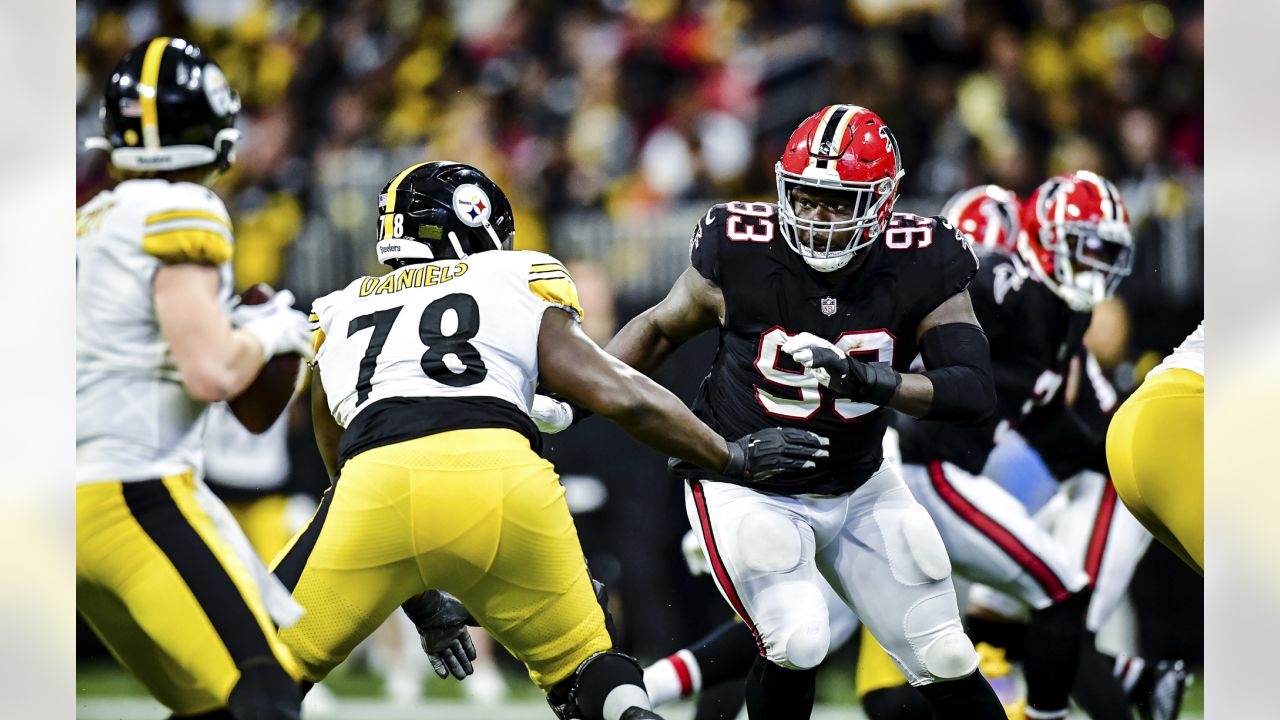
(426, 379)
(163, 575)
(1155, 449)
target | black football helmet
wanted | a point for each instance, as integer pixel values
(439, 211)
(168, 106)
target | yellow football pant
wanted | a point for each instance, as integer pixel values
(167, 595)
(264, 523)
(876, 670)
(1155, 449)
(475, 513)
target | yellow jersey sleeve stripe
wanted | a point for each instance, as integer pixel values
(548, 275)
(188, 215)
(558, 291)
(545, 266)
(147, 85)
(198, 246)
(317, 339)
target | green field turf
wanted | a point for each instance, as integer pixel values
(104, 692)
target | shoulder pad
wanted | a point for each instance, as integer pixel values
(549, 281)
(728, 227)
(1001, 278)
(935, 242)
(185, 222)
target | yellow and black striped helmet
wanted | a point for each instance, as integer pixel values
(168, 106)
(441, 210)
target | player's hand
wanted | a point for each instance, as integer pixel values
(775, 453)
(551, 415)
(845, 376)
(442, 625)
(277, 325)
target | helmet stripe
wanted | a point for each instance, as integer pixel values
(147, 85)
(820, 132)
(391, 198)
(840, 128)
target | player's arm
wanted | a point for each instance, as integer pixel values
(693, 305)
(574, 367)
(957, 386)
(216, 361)
(328, 431)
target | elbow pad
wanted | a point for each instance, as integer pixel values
(963, 386)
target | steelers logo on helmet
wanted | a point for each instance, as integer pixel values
(216, 88)
(471, 205)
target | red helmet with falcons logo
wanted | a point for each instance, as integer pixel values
(846, 149)
(988, 215)
(1076, 239)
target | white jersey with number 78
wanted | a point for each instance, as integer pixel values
(450, 328)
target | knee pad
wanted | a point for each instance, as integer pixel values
(265, 692)
(915, 550)
(769, 543)
(806, 646)
(590, 691)
(791, 617)
(950, 657)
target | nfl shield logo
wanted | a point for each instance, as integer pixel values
(828, 306)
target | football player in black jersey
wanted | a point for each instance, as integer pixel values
(1073, 248)
(822, 301)
(1011, 551)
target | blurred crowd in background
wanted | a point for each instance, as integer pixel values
(613, 124)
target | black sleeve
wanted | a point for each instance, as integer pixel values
(955, 260)
(959, 367)
(704, 245)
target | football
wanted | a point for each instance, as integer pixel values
(258, 407)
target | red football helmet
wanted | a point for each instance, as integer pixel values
(988, 216)
(844, 148)
(1075, 237)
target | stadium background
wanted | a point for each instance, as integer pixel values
(613, 124)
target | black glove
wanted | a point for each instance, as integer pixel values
(442, 624)
(775, 453)
(873, 383)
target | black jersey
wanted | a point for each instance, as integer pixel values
(1072, 436)
(770, 294)
(1033, 336)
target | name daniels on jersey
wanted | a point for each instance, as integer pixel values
(412, 277)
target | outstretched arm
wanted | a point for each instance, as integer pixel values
(574, 367)
(694, 304)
